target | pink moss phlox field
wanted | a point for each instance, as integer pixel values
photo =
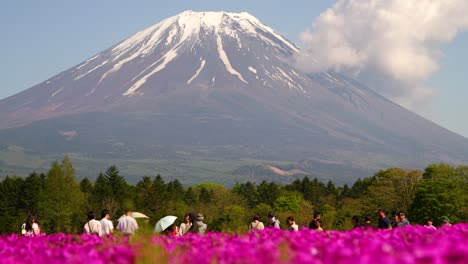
(414, 244)
(61, 248)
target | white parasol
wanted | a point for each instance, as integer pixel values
(164, 223)
(136, 215)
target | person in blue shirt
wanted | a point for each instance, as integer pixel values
(384, 222)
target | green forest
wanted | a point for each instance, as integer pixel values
(61, 202)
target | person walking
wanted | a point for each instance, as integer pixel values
(395, 219)
(317, 218)
(106, 225)
(403, 221)
(127, 224)
(272, 221)
(256, 224)
(92, 227)
(384, 222)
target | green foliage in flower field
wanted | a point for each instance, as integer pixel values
(61, 202)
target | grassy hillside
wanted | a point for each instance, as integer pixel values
(191, 170)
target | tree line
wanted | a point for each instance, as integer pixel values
(61, 202)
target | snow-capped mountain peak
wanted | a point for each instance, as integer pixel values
(193, 33)
(188, 25)
(200, 51)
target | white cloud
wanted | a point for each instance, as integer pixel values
(393, 46)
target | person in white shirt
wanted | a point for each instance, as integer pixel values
(92, 227)
(292, 226)
(201, 226)
(127, 224)
(185, 227)
(256, 223)
(31, 227)
(106, 225)
(272, 221)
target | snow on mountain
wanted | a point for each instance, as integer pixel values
(202, 64)
(222, 82)
(205, 42)
(179, 33)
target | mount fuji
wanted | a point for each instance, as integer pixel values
(204, 90)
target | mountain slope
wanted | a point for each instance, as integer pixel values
(222, 86)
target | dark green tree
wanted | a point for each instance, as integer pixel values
(11, 212)
(331, 189)
(189, 197)
(86, 187)
(144, 196)
(175, 190)
(111, 192)
(32, 189)
(120, 191)
(160, 197)
(101, 196)
(359, 188)
(206, 196)
(268, 193)
(343, 192)
(117, 183)
(248, 192)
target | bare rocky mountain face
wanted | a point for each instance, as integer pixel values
(221, 87)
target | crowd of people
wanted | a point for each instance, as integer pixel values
(127, 225)
(193, 223)
(399, 220)
(273, 222)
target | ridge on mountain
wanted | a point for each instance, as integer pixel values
(223, 86)
(127, 66)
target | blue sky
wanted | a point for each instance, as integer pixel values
(42, 38)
